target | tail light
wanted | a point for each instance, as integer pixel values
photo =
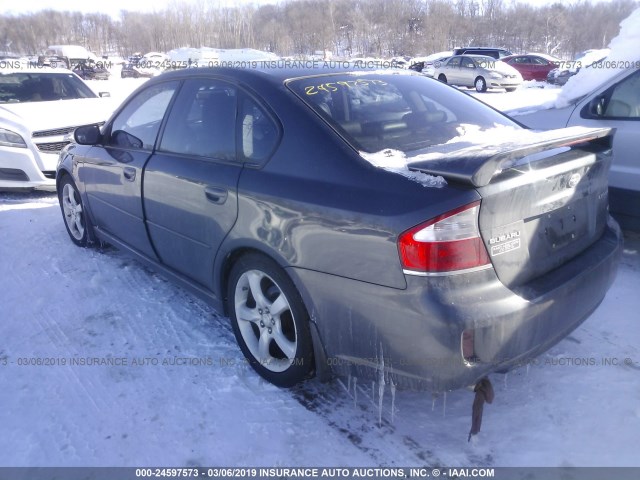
(447, 243)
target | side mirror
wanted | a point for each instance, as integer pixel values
(87, 135)
(104, 94)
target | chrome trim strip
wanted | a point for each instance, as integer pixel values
(446, 274)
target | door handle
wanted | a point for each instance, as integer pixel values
(129, 173)
(216, 194)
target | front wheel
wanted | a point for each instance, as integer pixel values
(270, 321)
(442, 78)
(481, 85)
(73, 212)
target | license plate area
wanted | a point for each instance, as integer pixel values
(563, 226)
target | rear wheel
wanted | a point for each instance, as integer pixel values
(75, 218)
(442, 78)
(480, 84)
(270, 321)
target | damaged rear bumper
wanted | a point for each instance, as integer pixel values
(414, 337)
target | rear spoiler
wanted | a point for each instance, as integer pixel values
(476, 165)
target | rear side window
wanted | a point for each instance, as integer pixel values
(137, 125)
(399, 111)
(259, 133)
(203, 120)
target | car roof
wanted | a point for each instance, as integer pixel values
(551, 58)
(489, 49)
(278, 72)
(476, 56)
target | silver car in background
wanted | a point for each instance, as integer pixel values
(478, 71)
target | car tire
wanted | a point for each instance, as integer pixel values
(442, 78)
(270, 321)
(73, 212)
(480, 84)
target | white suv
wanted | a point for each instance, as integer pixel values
(39, 110)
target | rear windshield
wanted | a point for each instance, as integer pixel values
(403, 112)
(20, 87)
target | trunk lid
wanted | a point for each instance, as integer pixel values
(544, 198)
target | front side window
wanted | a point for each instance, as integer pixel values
(624, 100)
(137, 125)
(399, 111)
(202, 121)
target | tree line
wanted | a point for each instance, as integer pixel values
(345, 28)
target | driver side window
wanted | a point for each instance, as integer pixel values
(625, 99)
(137, 125)
(620, 102)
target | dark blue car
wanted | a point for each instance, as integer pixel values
(351, 222)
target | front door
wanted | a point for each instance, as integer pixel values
(113, 170)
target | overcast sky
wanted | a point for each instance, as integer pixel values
(113, 7)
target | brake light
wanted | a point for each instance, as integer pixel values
(446, 243)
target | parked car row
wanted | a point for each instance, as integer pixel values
(566, 70)
(530, 66)
(484, 68)
(90, 70)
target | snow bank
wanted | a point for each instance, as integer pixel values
(396, 161)
(624, 50)
(209, 57)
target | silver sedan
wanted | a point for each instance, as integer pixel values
(478, 71)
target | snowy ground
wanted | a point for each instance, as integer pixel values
(60, 304)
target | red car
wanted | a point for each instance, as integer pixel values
(533, 66)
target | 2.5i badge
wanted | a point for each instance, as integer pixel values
(505, 242)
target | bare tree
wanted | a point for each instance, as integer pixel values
(383, 28)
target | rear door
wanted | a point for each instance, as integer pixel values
(452, 71)
(190, 183)
(525, 66)
(540, 67)
(468, 72)
(112, 172)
